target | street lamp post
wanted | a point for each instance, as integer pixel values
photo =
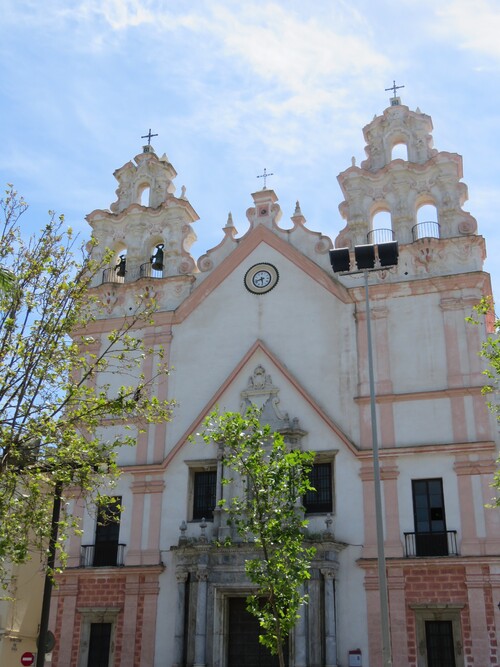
(366, 263)
(43, 633)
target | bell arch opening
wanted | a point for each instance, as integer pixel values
(143, 194)
(427, 226)
(399, 151)
(380, 227)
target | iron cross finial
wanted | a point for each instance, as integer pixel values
(264, 176)
(148, 136)
(394, 88)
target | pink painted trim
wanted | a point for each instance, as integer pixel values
(449, 392)
(458, 418)
(130, 621)
(155, 521)
(256, 236)
(195, 424)
(370, 537)
(448, 448)
(492, 518)
(137, 522)
(394, 546)
(477, 615)
(65, 632)
(149, 628)
(398, 611)
(469, 544)
(482, 418)
(374, 626)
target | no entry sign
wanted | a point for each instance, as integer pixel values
(27, 658)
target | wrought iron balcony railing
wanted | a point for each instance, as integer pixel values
(102, 554)
(426, 230)
(150, 270)
(112, 276)
(377, 236)
(418, 545)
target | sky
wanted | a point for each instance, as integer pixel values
(235, 86)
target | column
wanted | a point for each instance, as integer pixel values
(130, 609)
(464, 470)
(475, 582)
(389, 475)
(201, 618)
(370, 534)
(330, 619)
(397, 605)
(182, 576)
(314, 631)
(300, 636)
(64, 622)
(150, 589)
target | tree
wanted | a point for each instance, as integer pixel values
(490, 350)
(57, 416)
(6, 279)
(269, 513)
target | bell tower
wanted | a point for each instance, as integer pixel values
(400, 186)
(147, 233)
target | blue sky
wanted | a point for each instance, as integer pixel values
(232, 87)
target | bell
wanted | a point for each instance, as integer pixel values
(157, 258)
(120, 267)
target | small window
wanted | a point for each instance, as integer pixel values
(204, 494)
(321, 499)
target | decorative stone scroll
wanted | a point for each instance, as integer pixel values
(261, 392)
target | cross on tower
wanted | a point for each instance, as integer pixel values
(394, 87)
(264, 176)
(148, 136)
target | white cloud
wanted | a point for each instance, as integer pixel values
(473, 24)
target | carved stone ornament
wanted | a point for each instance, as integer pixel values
(261, 392)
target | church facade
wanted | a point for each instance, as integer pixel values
(262, 319)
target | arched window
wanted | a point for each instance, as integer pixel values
(381, 228)
(399, 151)
(427, 225)
(144, 191)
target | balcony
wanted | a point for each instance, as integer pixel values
(426, 230)
(420, 545)
(112, 276)
(150, 270)
(103, 554)
(377, 236)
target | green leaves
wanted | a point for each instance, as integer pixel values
(490, 350)
(267, 510)
(64, 385)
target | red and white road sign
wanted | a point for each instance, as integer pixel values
(27, 658)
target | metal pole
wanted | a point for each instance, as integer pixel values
(382, 577)
(47, 589)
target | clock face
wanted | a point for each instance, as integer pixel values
(261, 278)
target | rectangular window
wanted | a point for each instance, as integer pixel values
(204, 494)
(428, 511)
(321, 499)
(107, 534)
